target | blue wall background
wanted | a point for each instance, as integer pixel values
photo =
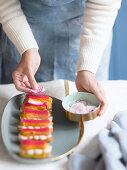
(118, 64)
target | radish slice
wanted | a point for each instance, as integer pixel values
(39, 90)
(26, 104)
(37, 103)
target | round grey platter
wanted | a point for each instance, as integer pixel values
(66, 134)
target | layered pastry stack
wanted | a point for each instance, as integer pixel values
(36, 126)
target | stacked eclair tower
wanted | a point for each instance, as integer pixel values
(36, 126)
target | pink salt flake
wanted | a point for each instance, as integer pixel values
(43, 104)
(39, 90)
(90, 108)
(78, 108)
(81, 107)
(82, 101)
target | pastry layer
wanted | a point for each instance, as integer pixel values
(35, 117)
(35, 149)
(31, 132)
(38, 100)
(44, 106)
(38, 112)
(35, 156)
(37, 124)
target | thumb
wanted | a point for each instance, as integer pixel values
(32, 81)
(100, 95)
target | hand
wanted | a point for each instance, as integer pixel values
(23, 75)
(86, 82)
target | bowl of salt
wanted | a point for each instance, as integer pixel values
(81, 106)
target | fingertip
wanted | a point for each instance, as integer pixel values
(35, 86)
(29, 91)
(102, 110)
(99, 114)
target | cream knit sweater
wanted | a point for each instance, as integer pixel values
(98, 22)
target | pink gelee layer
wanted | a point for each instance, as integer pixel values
(32, 142)
(46, 129)
(44, 104)
(37, 96)
(38, 112)
(81, 107)
(35, 121)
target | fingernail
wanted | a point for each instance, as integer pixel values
(29, 91)
(36, 87)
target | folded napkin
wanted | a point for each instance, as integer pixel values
(112, 148)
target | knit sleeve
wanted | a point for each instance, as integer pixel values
(99, 18)
(15, 25)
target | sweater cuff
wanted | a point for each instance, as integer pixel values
(19, 32)
(90, 53)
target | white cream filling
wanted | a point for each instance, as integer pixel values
(33, 127)
(22, 127)
(30, 127)
(37, 127)
(51, 118)
(36, 137)
(36, 151)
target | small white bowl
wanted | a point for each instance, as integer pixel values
(90, 98)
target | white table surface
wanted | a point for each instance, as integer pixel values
(117, 99)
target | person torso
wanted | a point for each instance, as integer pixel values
(52, 10)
